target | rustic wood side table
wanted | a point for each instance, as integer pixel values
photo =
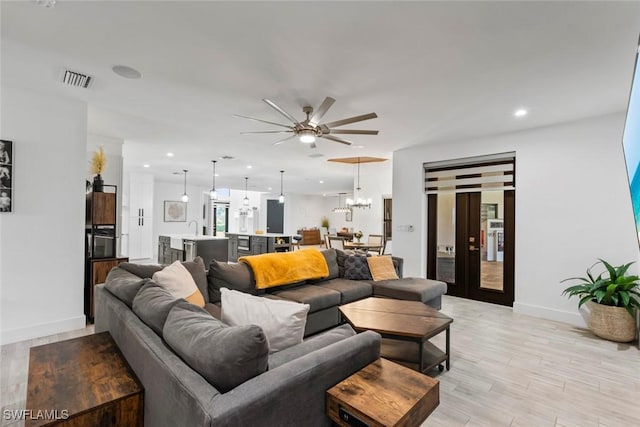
(383, 393)
(82, 382)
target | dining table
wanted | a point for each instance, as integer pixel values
(363, 246)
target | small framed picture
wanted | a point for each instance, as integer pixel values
(175, 211)
(7, 183)
(348, 216)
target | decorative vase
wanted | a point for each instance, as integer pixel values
(611, 323)
(98, 184)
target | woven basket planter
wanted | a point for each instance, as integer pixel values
(611, 323)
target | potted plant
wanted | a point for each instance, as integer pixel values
(612, 298)
(357, 235)
(324, 222)
(97, 166)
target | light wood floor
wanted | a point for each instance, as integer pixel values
(506, 370)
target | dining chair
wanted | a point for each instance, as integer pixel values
(335, 242)
(376, 239)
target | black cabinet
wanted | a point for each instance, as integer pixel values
(164, 250)
(233, 247)
(258, 245)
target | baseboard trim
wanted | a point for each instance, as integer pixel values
(570, 317)
(42, 330)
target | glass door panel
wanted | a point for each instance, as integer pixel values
(446, 238)
(492, 240)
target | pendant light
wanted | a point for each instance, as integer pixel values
(213, 194)
(185, 196)
(340, 208)
(359, 202)
(281, 198)
(245, 201)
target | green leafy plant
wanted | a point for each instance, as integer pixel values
(612, 287)
(324, 222)
(358, 234)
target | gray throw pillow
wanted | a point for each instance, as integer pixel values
(226, 356)
(238, 277)
(331, 257)
(123, 285)
(199, 274)
(340, 257)
(144, 271)
(357, 268)
(152, 305)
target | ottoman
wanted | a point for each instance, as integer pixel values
(412, 289)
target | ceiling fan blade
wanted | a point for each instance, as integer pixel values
(281, 111)
(351, 120)
(354, 132)
(322, 109)
(336, 139)
(263, 121)
(283, 140)
(269, 131)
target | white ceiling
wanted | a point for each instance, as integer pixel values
(432, 71)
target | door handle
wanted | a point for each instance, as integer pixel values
(473, 248)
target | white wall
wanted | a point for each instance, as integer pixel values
(572, 206)
(41, 241)
(376, 183)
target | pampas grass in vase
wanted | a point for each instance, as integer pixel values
(97, 166)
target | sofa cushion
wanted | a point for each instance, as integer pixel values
(316, 296)
(382, 268)
(350, 290)
(356, 268)
(340, 257)
(310, 345)
(237, 277)
(176, 279)
(410, 288)
(123, 285)
(152, 305)
(282, 321)
(226, 356)
(199, 273)
(331, 257)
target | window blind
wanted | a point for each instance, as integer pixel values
(496, 172)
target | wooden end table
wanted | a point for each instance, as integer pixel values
(383, 393)
(82, 382)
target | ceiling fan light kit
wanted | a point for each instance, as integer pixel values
(309, 130)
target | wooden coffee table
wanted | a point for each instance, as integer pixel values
(401, 324)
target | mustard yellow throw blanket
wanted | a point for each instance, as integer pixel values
(282, 268)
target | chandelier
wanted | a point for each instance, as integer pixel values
(359, 202)
(340, 208)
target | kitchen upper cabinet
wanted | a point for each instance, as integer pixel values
(140, 216)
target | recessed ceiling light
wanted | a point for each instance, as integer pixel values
(520, 112)
(127, 72)
(146, 166)
(217, 174)
(357, 146)
(169, 154)
(249, 166)
(321, 182)
(269, 188)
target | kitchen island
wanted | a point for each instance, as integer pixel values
(242, 244)
(185, 247)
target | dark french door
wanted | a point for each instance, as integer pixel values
(471, 239)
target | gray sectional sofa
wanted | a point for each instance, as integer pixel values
(292, 389)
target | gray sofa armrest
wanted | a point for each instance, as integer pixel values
(293, 394)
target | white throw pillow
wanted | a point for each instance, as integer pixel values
(177, 280)
(282, 321)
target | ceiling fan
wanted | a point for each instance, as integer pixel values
(310, 129)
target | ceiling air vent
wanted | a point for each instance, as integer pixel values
(75, 79)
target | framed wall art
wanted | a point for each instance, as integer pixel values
(175, 211)
(7, 183)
